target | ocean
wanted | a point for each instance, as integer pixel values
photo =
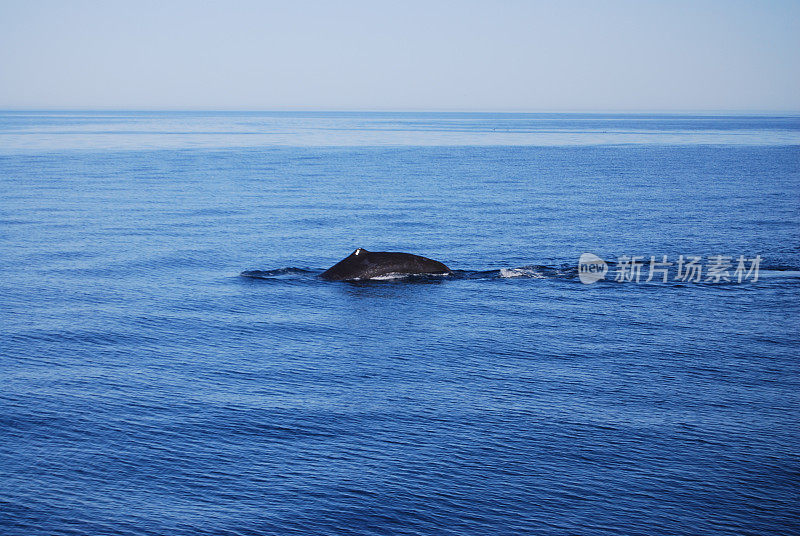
(171, 363)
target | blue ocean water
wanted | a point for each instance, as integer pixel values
(171, 364)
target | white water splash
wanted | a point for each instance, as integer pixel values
(521, 272)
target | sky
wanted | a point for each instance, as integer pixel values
(524, 56)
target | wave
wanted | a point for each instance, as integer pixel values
(280, 273)
(565, 272)
(529, 272)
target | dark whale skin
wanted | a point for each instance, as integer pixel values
(363, 264)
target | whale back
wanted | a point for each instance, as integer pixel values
(363, 264)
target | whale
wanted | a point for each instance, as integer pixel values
(363, 264)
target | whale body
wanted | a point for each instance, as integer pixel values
(363, 264)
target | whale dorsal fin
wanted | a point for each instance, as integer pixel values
(359, 251)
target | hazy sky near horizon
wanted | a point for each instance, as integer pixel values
(411, 55)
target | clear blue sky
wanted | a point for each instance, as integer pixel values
(403, 55)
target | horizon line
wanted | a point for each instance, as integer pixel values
(287, 110)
